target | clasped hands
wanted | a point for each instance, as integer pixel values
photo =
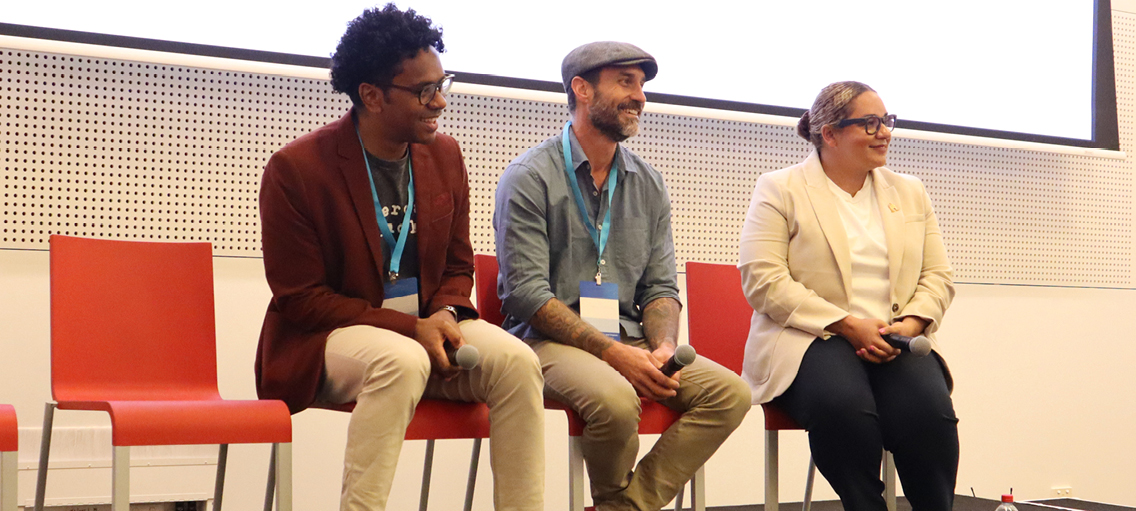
(642, 369)
(866, 335)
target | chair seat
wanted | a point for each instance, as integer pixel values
(438, 419)
(654, 419)
(193, 422)
(777, 419)
(9, 433)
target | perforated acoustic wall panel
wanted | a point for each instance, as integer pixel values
(99, 147)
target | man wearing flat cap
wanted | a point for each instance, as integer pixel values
(587, 278)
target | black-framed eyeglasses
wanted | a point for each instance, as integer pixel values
(426, 92)
(871, 122)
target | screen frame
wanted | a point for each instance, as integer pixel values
(1106, 133)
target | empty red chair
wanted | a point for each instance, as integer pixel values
(9, 445)
(718, 317)
(653, 420)
(132, 334)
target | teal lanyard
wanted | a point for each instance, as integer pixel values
(396, 247)
(600, 237)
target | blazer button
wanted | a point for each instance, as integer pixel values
(895, 307)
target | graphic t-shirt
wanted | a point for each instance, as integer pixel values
(392, 180)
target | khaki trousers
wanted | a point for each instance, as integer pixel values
(713, 399)
(386, 374)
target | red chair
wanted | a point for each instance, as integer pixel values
(653, 420)
(9, 445)
(132, 334)
(718, 317)
(434, 419)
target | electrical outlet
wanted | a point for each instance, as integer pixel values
(1061, 492)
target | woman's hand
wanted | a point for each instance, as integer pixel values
(864, 335)
(910, 326)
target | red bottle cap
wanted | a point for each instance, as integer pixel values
(1008, 498)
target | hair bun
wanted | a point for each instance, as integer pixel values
(803, 126)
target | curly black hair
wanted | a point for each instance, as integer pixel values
(375, 44)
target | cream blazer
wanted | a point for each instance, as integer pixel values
(796, 266)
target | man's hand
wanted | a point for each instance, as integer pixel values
(641, 369)
(432, 333)
(864, 335)
(664, 353)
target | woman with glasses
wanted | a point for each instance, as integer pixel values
(837, 254)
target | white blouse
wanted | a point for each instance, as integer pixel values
(871, 296)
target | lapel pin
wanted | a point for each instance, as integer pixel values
(893, 207)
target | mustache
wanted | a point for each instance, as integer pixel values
(632, 105)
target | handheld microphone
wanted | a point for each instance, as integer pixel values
(465, 357)
(683, 356)
(919, 346)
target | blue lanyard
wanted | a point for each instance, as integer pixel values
(396, 247)
(599, 238)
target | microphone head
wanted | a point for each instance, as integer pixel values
(920, 346)
(684, 355)
(467, 357)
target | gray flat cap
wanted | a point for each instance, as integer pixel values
(605, 53)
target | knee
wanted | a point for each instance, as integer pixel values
(736, 400)
(513, 365)
(614, 410)
(511, 357)
(404, 365)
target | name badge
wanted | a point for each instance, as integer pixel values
(401, 295)
(599, 306)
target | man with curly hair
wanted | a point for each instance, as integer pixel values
(367, 252)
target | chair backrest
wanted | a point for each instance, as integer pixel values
(488, 304)
(718, 314)
(9, 433)
(132, 321)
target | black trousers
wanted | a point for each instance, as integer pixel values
(853, 409)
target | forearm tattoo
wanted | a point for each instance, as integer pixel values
(565, 326)
(660, 322)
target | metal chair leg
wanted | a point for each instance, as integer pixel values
(681, 494)
(44, 452)
(271, 491)
(120, 479)
(283, 453)
(698, 490)
(807, 504)
(575, 474)
(219, 485)
(427, 466)
(474, 457)
(888, 470)
(8, 481)
(771, 498)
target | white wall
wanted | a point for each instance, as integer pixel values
(1043, 392)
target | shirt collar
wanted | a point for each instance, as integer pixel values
(578, 156)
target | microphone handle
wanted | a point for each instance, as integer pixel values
(918, 345)
(900, 342)
(672, 366)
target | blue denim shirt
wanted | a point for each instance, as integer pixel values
(544, 249)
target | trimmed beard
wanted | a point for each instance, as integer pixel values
(604, 115)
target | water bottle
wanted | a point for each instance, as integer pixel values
(1007, 504)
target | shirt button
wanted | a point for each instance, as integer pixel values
(895, 307)
(595, 193)
(603, 262)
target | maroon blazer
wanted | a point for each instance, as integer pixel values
(323, 254)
